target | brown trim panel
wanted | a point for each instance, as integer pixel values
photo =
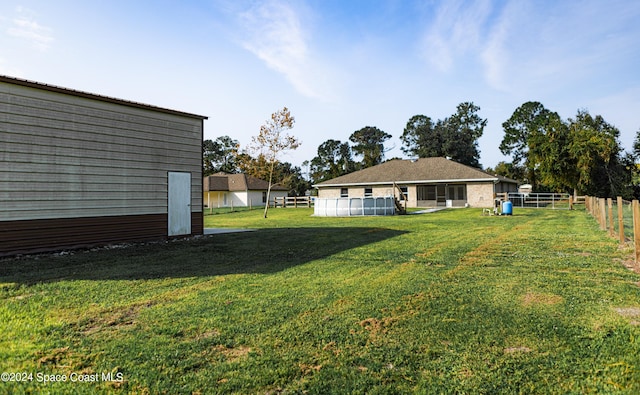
(19, 237)
(197, 223)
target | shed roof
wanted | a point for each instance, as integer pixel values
(422, 170)
(237, 182)
(93, 96)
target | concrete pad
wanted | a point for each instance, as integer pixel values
(430, 210)
(217, 231)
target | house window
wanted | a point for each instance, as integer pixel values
(405, 193)
(426, 192)
(264, 197)
(344, 192)
(462, 192)
(368, 192)
(457, 192)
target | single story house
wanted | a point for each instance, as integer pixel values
(425, 182)
(238, 190)
(80, 169)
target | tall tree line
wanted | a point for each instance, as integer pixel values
(578, 155)
(455, 137)
(336, 158)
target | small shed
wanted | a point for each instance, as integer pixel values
(80, 169)
(238, 190)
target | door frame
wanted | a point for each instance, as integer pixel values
(178, 203)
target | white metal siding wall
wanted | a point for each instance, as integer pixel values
(67, 156)
(254, 198)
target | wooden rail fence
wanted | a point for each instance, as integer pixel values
(620, 218)
(293, 201)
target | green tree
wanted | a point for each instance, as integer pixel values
(421, 138)
(333, 160)
(636, 146)
(455, 137)
(209, 152)
(254, 166)
(527, 122)
(462, 131)
(272, 141)
(284, 173)
(548, 154)
(369, 143)
(509, 170)
(633, 168)
(581, 155)
(595, 150)
(219, 155)
(290, 176)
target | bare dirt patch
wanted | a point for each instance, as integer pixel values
(207, 335)
(376, 326)
(233, 354)
(629, 312)
(512, 350)
(533, 298)
(115, 318)
(630, 264)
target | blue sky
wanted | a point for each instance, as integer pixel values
(338, 65)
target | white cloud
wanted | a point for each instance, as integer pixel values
(277, 36)
(496, 55)
(545, 50)
(24, 26)
(457, 29)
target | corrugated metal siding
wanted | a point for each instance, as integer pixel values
(197, 223)
(17, 237)
(77, 169)
(54, 234)
(65, 156)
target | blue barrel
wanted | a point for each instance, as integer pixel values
(507, 208)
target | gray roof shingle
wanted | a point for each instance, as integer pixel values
(412, 171)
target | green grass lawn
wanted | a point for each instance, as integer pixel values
(448, 302)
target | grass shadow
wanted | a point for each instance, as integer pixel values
(261, 251)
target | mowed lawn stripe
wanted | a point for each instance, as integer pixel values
(444, 302)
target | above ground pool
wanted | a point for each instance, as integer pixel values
(348, 207)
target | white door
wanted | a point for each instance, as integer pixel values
(179, 205)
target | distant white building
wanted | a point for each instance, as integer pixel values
(238, 190)
(525, 189)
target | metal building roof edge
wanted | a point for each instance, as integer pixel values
(94, 96)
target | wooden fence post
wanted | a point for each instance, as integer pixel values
(587, 203)
(620, 220)
(603, 214)
(636, 229)
(612, 230)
